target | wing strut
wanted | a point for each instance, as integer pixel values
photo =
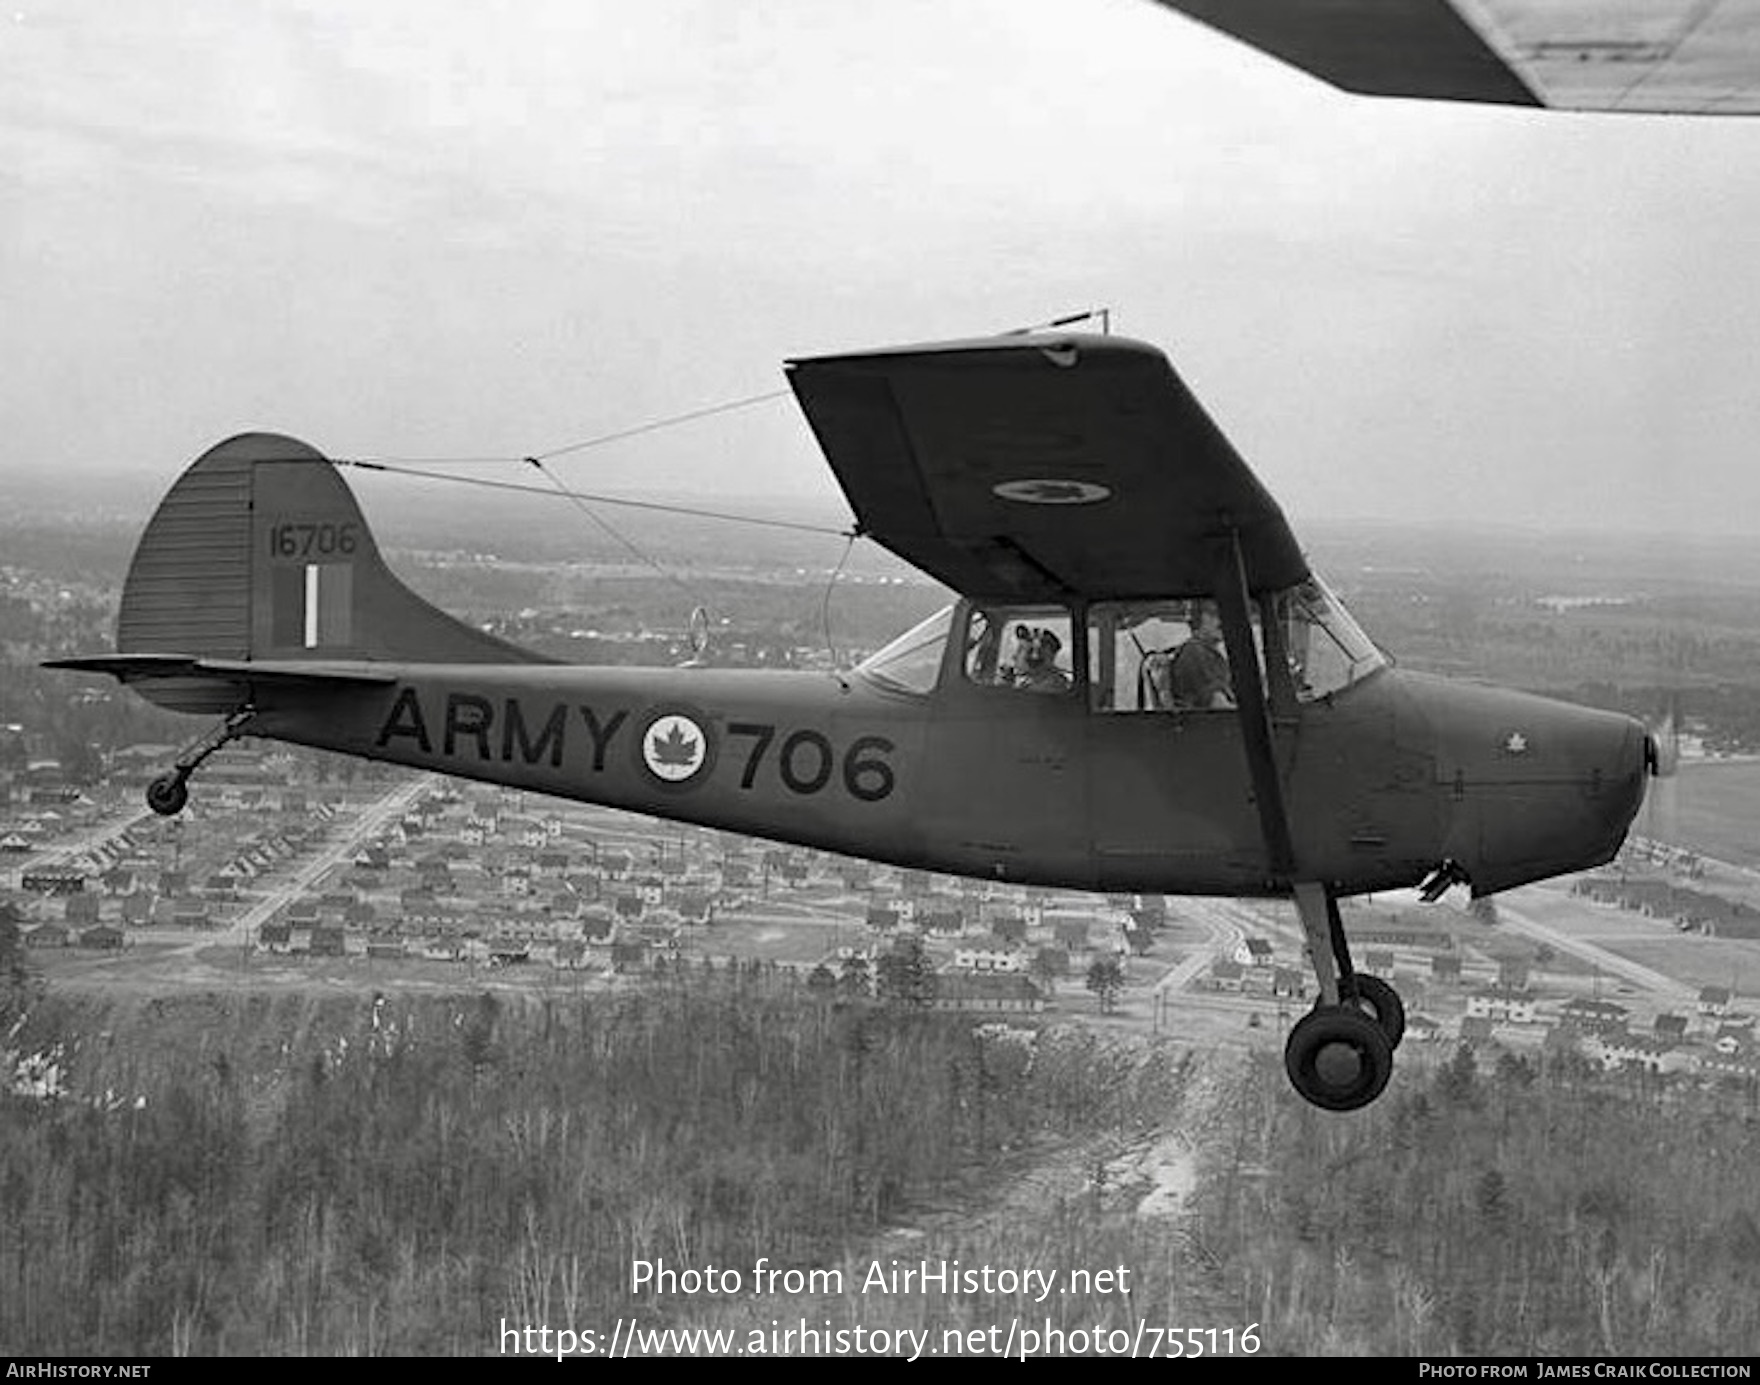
(1315, 900)
(1340, 1054)
(1251, 708)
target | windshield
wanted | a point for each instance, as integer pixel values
(1328, 651)
(912, 662)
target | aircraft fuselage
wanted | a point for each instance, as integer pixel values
(1383, 781)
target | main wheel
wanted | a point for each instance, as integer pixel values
(167, 794)
(1338, 1058)
(1381, 1003)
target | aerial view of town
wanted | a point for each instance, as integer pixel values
(311, 924)
(293, 864)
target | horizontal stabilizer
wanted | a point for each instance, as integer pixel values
(125, 668)
(132, 668)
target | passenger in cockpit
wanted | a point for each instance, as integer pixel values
(1036, 669)
(1011, 673)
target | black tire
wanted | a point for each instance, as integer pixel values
(167, 795)
(1382, 1004)
(1338, 1058)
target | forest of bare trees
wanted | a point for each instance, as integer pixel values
(346, 1176)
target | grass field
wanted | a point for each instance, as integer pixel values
(1699, 961)
(778, 939)
(1717, 810)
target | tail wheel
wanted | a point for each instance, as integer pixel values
(1381, 1003)
(1338, 1058)
(167, 795)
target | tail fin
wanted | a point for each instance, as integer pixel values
(260, 552)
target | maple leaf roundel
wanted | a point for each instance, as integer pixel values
(675, 748)
(1051, 490)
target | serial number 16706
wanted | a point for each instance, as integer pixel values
(325, 539)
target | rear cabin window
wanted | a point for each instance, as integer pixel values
(912, 662)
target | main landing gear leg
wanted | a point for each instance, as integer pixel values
(1340, 1054)
(168, 794)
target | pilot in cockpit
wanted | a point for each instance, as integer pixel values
(1199, 672)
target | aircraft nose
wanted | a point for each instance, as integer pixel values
(1605, 757)
(1536, 787)
(1600, 775)
(1608, 756)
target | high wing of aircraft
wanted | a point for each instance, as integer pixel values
(1661, 56)
(1142, 686)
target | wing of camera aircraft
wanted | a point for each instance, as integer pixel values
(1699, 57)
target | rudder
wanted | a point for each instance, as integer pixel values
(259, 551)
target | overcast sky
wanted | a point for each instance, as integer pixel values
(436, 229)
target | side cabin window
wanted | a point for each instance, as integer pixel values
(1026, 649)
(1171, 656)
(1158, 656)
(1142, 656)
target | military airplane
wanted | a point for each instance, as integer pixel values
(1143, 686)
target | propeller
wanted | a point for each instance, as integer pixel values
(1662, 756)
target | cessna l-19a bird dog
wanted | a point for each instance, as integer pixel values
(1142, 685)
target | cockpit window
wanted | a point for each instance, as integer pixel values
(912, 662)
(1026, 648)
(1328, 651)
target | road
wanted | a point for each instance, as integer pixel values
(62, 853)
(1516, 911)
(1222, 920)
(1545, 914)
(368, 823)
